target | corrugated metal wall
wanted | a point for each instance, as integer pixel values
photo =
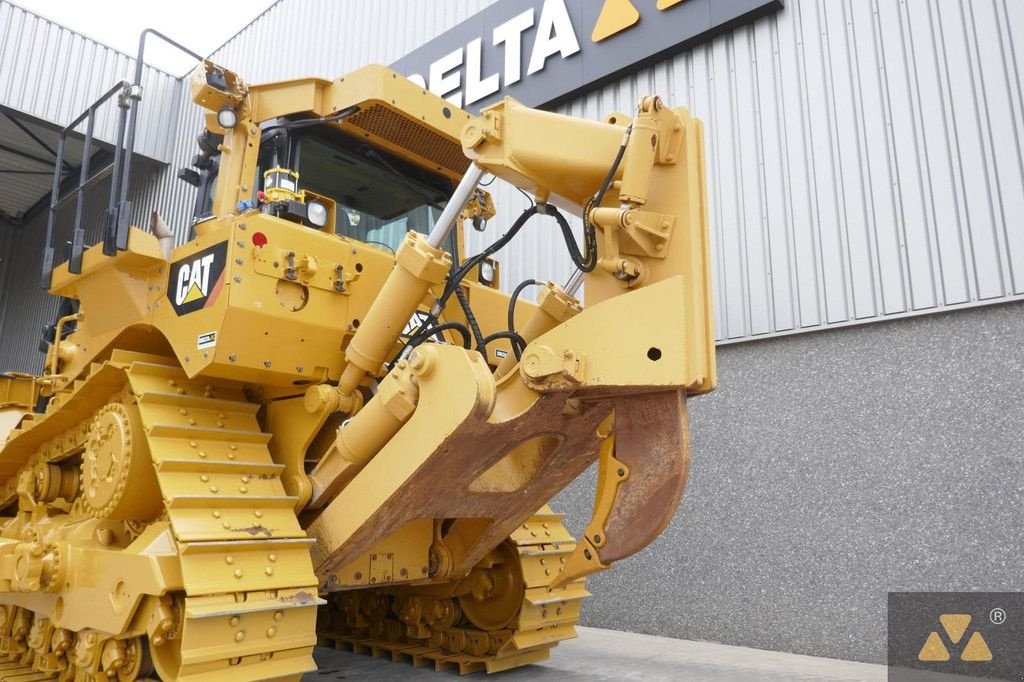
(53, 73)
(864, 160)
(24, 307)
(864, 155)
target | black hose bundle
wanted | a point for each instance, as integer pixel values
(585, 260)
(420, 336)
(512, 311)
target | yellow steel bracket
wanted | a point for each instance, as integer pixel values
(611, 474)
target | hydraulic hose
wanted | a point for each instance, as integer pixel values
(471, 319)
(512, 312)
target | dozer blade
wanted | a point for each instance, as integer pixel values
(641, 477)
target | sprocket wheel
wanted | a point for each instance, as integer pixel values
(118, 479)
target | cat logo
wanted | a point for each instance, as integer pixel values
(196, 281)
(955, 625)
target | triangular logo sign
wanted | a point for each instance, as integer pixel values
(933, 649)
(955, 625)
(976, 649)
(616, 16)
(194, 294)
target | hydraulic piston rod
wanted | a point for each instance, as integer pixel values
(463, 193)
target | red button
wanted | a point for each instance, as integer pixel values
(259, 239)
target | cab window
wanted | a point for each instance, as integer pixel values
(379, 196)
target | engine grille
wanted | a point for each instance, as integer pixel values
(388, 124)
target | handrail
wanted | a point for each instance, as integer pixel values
(119, 208)
(84, 180)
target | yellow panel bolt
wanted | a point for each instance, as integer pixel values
(238, 573)
(278, 615)
(271, 631)
(235, 620)
(240, 635)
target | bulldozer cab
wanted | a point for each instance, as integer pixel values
(368, 157)
(378, 196)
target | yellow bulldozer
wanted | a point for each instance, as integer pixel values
(321, 420)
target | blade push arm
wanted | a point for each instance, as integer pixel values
(639, 349)
(640, 182)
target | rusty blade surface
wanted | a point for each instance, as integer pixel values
(652, 439)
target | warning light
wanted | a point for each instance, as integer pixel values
(259, 239)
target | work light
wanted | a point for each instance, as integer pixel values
(316, 213)
(227, 118)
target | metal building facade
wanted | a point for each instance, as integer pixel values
(864, 156)
(50, 74)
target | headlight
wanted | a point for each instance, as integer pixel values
(227, 118)
(487, 272)
(316, 213)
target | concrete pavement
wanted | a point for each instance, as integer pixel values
(611, 655)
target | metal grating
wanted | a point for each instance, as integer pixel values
(389, 125)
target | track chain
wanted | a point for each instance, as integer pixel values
(545, 616)
(248, 610)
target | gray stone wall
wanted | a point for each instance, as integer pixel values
(828, 469)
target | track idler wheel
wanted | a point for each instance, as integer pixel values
(495, 590)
